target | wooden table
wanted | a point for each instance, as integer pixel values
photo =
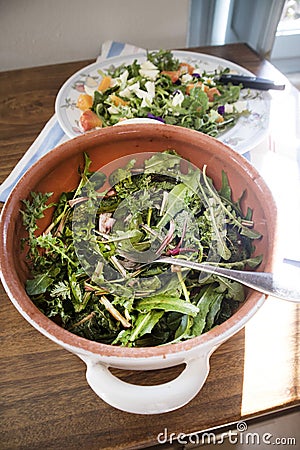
(45, 400)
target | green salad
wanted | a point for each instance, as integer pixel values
(165, 89)
(93, 270)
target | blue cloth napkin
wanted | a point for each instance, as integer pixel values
(52, 134)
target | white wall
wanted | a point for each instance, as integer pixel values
(39, 32)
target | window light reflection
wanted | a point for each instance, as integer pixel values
(270, 367)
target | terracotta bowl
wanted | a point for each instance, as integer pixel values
(57, 172)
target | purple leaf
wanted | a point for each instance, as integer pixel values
(152, 116)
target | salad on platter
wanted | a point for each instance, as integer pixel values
(163, 88)
(93, 269)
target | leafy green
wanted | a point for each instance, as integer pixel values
(34, 210)
(39, 284)
(88, 270)
(204, 301)
(167, 303)
(143, 324)
(163, 60)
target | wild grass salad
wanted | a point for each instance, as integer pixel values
(93, 269)
(162, 88)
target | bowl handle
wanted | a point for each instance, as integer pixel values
(148, 399)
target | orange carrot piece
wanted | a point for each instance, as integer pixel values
(104, 84)
(89, 120)
(212, 92)
(84, 102)
(186, 68)
(191, 86)
(118, 100)
(173, 74)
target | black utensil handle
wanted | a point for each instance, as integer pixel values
(250, 82)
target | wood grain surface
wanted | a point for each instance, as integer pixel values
(45, 400)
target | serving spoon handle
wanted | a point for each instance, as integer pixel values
(264, 282)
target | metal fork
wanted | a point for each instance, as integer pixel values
(265, 282)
